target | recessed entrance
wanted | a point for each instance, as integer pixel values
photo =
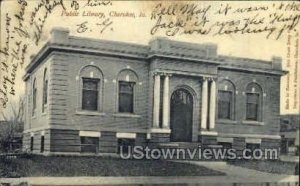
(181, 115)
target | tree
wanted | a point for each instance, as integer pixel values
(12, 125)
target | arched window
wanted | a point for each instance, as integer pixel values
(226, 98)
(91, 78)
(34, 94)
(253, 102)
(127, 80)
(45, 90)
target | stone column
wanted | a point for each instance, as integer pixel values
(212, 104)
(204, 104)
(156, 101)
(166, 103)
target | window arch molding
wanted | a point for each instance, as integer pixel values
(254, 102)
(87, 69)
(257, 86)
(226, 100)
(126, 89)
(90, 88)
(127, 75)
(188, 88)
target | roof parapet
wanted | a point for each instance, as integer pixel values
(211, 49)
(164, 45)
(159, 43)
(59, 35)
(276, 62)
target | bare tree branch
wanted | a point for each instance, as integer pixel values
(13, 124)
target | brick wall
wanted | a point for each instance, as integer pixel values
(66, 108)
(40, 119)
(271, 100)
(37, 141)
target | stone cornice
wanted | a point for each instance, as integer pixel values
(164, 72)
(253, 70)
(164, 49)
(49, 48)
(184, 58)
(108, 46)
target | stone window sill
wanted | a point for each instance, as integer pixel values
(126, 115)
(90, 113)
(226, 121)
(248, 122)
(160, 130)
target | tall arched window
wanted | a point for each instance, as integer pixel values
(226, 98)
(45, 90)
(254, 102)
(34, 94)
(127, 80)
(91, 78)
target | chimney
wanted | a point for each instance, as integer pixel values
(59, 35)
(276, 62)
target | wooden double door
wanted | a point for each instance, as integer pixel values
(181, 119)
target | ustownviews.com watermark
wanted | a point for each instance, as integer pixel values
(140, 152)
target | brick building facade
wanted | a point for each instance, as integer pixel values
(87, 95)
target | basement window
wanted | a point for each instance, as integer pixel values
(125, 145)
(89, 144)
(31, 143)
(42, 144)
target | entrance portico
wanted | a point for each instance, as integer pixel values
(177, 108)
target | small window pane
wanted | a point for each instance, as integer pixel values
(34, 98)
(89, 144)
(31, 143)
(126, 96)
(89, 84)
(42, 143)
(45, 95)
(224, 104)
(90, 94)
(89, 100)
(251, 111)
(45, 92)
(34, 93)
(252, 147)
(124, 145)
(252, 106)
(252, 98)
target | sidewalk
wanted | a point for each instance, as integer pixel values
(241, 174)
(289, 158)
(235, 176)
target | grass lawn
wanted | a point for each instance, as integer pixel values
(33, 165)
(275, 166)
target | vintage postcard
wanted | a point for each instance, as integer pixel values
(99, 92)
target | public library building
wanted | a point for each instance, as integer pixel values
(92, 96)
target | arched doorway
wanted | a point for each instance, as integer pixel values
(181, 115)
